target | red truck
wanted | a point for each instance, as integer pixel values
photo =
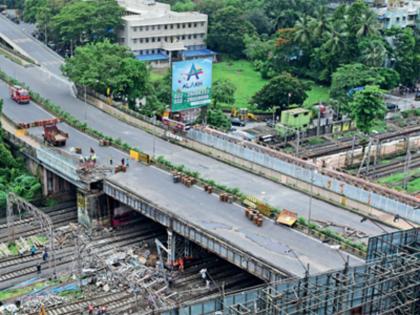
(55, 136)
(19, 94)
(52, 134)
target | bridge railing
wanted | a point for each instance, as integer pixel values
(342, 184)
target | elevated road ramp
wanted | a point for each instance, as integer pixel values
(270, 252)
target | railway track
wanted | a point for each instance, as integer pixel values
(394, 167)
(109, 299)
(29, 227)
(14, 271)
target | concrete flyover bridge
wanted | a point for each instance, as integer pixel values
(270, 252)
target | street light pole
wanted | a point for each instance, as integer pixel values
(154, 136)
(310, 195)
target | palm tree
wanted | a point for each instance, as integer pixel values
(374, 53)
(320, 22)
(303, 31)
(335, 37)
(368, 24)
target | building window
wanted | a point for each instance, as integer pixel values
(183, 36)
(158, 27)
(189, 25)
(166, 27)
(195, 24)
(202, 23)
(195, 36)
(189, 36)
(152, 28)
(141, 28)
(134, 29)
(183, 25)
(398, 19)
(172, 26)
(404, 18)
(178, 26)
(158, 39)
(135, 40)
(147, 40)
(141, 40)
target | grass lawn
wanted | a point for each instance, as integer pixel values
(317, 93)
(158, 74)
(247, 81)
(243, 76)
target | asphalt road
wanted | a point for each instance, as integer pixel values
(274, 244)
(21, 36)
(48, 84)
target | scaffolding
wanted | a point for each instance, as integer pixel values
(388, 283)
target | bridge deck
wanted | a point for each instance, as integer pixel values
(273, 244)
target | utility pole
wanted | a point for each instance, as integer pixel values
(297, 142)
(311, 195)
(85, 105)
(407, 164)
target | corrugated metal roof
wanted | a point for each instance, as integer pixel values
(198, 53)
(152, 57)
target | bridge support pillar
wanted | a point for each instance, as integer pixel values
(92, 209)
(171, 247)
(55, 186)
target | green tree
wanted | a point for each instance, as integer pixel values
(368, 107)
(32, 9)
(284, 13)
(13, 176)
(320, 22)
(373, 51)
(391, 78)
(185, 5)
(281, 91)
(368, 24)
(349, 77)
(260, 21)
(217, 118)
(332, 52)
(223, 91)
(162, 89)
(80, 21)
(304, 31)
(103, 65)
(407, 55)
(226, 33)
(256, 48)
(14, 4)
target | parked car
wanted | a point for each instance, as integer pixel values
(270, 123)
(238, 122)
(392, 107)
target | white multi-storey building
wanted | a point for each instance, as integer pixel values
(157, 34)
(400, 13)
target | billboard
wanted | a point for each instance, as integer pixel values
(191, 84)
